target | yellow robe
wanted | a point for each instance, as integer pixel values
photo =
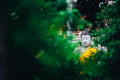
(87, 54)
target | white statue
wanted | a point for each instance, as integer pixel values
(85, 43)
(85, 50)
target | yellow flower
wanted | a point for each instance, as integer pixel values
(81, 73)
(37, 56)
(87, 54)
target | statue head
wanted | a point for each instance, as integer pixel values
(86, 39)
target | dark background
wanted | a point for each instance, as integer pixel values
(3, 41)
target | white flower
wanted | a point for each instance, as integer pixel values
(74, 0)
(100, 4)
(111, 2)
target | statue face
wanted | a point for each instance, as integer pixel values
(86, 40)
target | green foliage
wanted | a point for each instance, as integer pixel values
(109, 36)
(38, 52)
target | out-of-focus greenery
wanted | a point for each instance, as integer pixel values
(38, 53)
